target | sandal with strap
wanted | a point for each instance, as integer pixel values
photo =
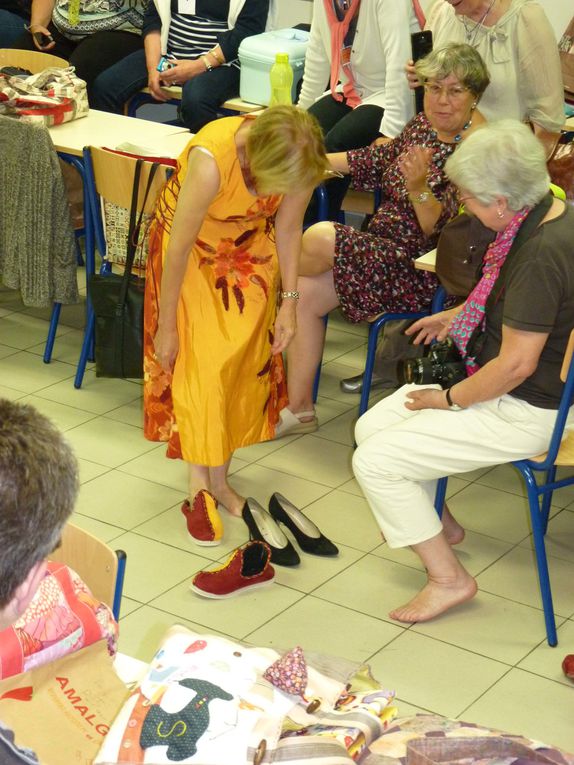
(291, 424)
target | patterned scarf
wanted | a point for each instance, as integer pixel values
(472, 315)
(342, 21)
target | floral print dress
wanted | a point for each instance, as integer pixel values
(374, 270)
(227, 389)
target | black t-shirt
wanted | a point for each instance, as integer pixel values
(538, 297)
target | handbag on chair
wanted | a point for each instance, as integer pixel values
(118, 303)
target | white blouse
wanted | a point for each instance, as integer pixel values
(521, 54)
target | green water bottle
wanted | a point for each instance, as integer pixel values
(281, 79)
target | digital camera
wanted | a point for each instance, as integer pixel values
(443, 365)
(164, 63)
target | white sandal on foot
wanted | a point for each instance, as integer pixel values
(291, 424)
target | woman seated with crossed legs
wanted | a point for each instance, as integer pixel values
(373, 271)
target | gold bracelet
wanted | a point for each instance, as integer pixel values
(290, 294)
(216, 56)
(206, 63)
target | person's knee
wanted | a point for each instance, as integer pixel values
(198, 104)
(318, 248)
(365, 466)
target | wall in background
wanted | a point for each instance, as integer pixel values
(293, 12)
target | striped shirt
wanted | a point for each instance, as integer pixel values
(192, 36)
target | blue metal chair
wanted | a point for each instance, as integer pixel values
(560, 453)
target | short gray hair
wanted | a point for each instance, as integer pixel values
(501, 159)
(38, 488)
(455, 58)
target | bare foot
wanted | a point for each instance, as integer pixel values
(436, 597)
(453, 531)
(230, 500)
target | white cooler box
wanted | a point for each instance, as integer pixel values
(257, 56)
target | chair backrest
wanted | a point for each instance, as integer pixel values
(567, 377)
(33, 60)
(93, 560)
(109, 177)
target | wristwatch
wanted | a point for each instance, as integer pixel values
(451, 405)
(420, 197)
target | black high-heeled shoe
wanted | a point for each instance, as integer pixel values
(262, 526)
(308, 536)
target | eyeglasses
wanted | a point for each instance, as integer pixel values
(454, 93)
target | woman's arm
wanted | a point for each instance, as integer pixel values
(251, 21)
(414, 165)
(434, 327)
(317, 68)
(539, 73)
(152, 47)
(199, 188)
(395, 41)
(516, 361)
(288, 235)
(40, 18)
(338, 162)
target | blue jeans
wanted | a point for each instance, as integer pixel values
(11, 27)
(200, 98)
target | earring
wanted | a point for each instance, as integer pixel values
(474, 105)
(499, 214)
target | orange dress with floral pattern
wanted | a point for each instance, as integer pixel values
(227, 388)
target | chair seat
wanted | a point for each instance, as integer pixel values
(565, 455)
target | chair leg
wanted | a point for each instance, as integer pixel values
(440, 495)
(318, 372)
(86, 351)
(119, 583)
(547, 499)
(54, 319)
(374, 330)
(540, 550)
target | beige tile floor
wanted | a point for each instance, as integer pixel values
(486, 662)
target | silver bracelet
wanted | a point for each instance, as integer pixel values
(290, 294)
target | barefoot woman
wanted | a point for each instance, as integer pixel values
(227, 229)
(505, 409)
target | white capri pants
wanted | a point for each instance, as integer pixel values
(400, 454)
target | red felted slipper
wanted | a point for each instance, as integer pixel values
(247, 568)
(203, 520)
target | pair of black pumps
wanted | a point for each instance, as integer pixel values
(264, 526)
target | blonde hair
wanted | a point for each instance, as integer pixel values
(286, 151)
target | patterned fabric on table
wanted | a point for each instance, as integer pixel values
(391, 747)
(374, 270)
(204, 699)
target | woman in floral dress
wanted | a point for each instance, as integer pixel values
(369, 272)
(225, 237)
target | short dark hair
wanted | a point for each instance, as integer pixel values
(459, 59)
(38, 489)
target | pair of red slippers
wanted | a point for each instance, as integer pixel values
(248, 567)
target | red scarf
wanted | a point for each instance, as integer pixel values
(341, 53)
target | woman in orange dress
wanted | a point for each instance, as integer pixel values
(225, 239)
